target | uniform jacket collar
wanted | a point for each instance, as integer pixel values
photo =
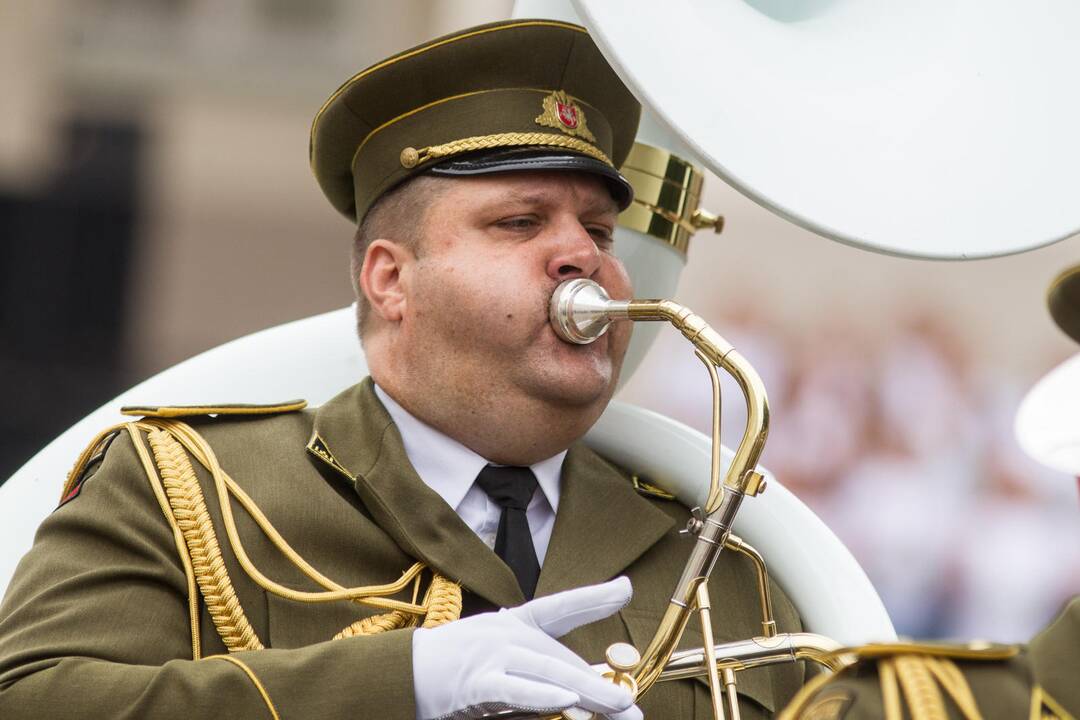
(592, 540)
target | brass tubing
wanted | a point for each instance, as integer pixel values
(757, 423)
(735, 656)
(731, 695)
(756, 652)
(716, 692)
(662, 646)
(713, 346)
(580, 312)
(721, 506)
(714, 468)
(699, 565)
(736, 543)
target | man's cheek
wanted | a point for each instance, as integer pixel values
(618, 283)
(620, 340)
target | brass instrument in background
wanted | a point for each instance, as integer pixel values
(580, 312)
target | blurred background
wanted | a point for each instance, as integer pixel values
(155, 201)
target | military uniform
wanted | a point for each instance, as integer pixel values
(95, 622)
(934, 681)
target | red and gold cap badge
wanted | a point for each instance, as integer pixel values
(562, 113)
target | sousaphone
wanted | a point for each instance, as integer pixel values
(942, 129)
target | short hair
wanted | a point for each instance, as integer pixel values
(400, 215)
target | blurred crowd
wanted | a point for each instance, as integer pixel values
(905, 449)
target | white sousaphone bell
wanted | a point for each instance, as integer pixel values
(928, 129)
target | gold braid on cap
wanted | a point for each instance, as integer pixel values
(411, 157)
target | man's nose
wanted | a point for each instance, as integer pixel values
(576, 254)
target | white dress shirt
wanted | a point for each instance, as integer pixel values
(450, 469)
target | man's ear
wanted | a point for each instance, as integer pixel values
(381, 278)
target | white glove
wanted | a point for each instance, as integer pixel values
(511, 660)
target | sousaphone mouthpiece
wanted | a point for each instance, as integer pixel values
(581, 310)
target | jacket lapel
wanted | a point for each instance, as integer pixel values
(355, 435)
(602, 525)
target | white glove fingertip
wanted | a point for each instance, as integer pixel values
(558, 614)
(623, 584)
(631, 713)
(607, 698)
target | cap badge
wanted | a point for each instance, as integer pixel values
(562, 113)
(567, 115)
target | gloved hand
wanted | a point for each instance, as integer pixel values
(511, 660)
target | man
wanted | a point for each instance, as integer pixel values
(481, 169)
(979, 680)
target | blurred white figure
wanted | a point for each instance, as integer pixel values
(1021, 559)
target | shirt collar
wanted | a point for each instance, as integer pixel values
(448, 467)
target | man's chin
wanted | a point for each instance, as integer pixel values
(577, 376)
(577, 387)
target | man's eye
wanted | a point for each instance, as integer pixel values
(517, 223)
(603, 236)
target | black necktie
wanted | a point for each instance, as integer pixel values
(512, 488)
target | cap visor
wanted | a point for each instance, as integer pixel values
(531, 160)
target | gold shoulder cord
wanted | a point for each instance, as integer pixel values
(182, 501)
(890, 691)
(923, 698)
(914, 681)
(952, 679)
(1044, 707)
(191, 515)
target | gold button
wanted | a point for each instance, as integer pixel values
(410, 157)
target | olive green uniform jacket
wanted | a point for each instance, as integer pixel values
(96, 620)
(1041, 682)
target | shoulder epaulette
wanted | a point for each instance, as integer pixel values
(975, 650)
(88, 459)
(921, 677)
(174, 411)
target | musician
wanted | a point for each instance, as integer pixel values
(203, 561)
(979, 680)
